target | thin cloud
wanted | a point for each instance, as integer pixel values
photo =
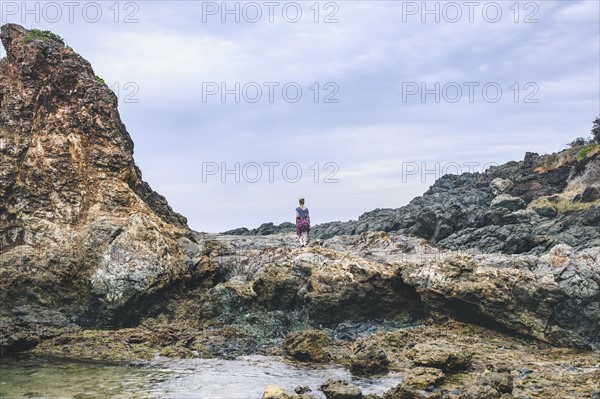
(374, 130)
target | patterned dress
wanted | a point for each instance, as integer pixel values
(302, 224)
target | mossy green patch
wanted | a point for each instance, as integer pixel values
(45, 35)
(585, 151)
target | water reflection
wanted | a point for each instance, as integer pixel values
(246, 377)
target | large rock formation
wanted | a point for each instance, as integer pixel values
(268, 286)
(519, 207)
(80, 232)
(85, 242)
(497, 210)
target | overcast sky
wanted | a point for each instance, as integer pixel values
(239, 108)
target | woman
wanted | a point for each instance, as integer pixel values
(302, 223)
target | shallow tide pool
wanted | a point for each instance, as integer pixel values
(245, 377)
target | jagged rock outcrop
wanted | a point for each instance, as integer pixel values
(80, 231)
(310, 345)
(448, 359)
(519, 207)
(340, 389)
(485, 210)
(86, 243)
(368, 358)
(264, 229)
(269, 286)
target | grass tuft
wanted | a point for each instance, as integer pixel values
(561, 202)
(44, 35)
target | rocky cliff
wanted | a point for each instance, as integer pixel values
(269, 286)
(86, 243)
(82, 236)
(519, 207)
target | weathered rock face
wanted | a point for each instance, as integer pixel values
(485, 211)
(497, 210)
(554, 297)
(270, 285)
(422, 377)
(84, 241)
(264, 229)
(341, 390)
(367, 359)
(448, 359)
(80, 232)
(307, 346)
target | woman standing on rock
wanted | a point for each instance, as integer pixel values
(302, 223)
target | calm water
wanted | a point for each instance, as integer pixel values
(246, 377)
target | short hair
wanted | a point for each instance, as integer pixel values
(301, 200)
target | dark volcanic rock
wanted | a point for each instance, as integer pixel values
(590, 194)
(509, 202)
(546, 211)
(27, 325)
(264, 229)
(481, 210)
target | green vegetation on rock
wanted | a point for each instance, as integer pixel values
(45, 35)
(585, 151)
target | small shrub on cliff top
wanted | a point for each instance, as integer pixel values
(45, 35)
(578, 142)
(100, 80)
(596, 130)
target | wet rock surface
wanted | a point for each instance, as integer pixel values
(276, 392)
(538, 370)
(475, 278)
(341, 390)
